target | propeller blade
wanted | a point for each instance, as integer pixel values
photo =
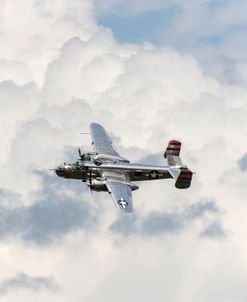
(90, 189)
(90, 177)
(79, 151)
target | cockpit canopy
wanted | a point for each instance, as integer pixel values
(86, 157)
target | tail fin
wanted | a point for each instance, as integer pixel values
(182, 177)
(172, 153)
(181, 174)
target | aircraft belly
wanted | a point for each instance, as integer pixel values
(76, 175)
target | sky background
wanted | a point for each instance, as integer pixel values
(149, 71)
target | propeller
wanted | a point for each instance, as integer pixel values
(90, 189)
(79, 151)
(90, 177)
(90, 182)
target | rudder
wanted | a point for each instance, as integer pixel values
(172, 153)
(184, 179)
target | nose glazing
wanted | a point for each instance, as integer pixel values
(60, 172)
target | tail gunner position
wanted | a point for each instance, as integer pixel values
(105, 170)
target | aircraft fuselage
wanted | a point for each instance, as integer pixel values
(87, 171)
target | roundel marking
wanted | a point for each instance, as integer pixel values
(123, 202)
(154, 174)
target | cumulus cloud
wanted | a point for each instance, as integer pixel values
(217, 44)
(22, 281)
(33, 38)
(61, 71)
(172, 222)
(54, 215)
(213, 230)
(243, 163)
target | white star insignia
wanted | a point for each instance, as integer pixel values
(153, 174)
(123, 202)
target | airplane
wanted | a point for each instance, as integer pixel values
(105, 170)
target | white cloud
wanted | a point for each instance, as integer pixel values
(22, 281)
(214, 32)
(63, 73)
(33, 37)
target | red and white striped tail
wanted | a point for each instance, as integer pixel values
(173, 148)
(179, 172)
(172, 152)
(184, 179)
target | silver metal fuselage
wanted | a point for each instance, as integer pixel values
(88, 170)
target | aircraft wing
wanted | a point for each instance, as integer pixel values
(121, 194)
(101, 141)
(120, 190)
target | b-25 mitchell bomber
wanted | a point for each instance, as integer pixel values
(105, 170)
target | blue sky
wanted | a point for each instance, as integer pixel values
(156, 23)
(139, 27)
(213, 31)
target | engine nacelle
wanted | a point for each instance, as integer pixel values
(98, 159)
(98, 185)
